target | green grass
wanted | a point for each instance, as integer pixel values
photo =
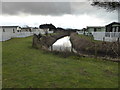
(24, 66)
(90, 38)
(0, 65)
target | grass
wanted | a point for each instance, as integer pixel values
(0, 65)
(90, 38)
(24, 67)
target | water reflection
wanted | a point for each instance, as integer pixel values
(62, 44)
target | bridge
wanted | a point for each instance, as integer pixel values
(46, 41)
(82, 46)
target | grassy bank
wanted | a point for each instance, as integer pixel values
(87, 45)
(90, 38)
(24, 66)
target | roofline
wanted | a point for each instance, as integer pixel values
(112, 23)
(95, 26)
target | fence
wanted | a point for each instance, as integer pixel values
(22, 34)
(98, 35)
(8, 35)
(5, 36)
(106, 36)
(112, 34)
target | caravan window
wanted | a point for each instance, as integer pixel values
(113, 29)
(3, 30)
(95, 29)
(13, 31)
(117, 29)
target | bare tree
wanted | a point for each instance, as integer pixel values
(109, 5)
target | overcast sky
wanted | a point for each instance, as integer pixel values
(61, 14)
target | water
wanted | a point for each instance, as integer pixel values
(62, 44)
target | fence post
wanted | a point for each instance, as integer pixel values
(118, 40)
(103, 39)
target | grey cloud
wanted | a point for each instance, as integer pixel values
(56, 8)
(43, 8)
(85, 8)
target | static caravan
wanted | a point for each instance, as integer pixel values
(91, 29)
(113, 27)
(8, 32)
(11, 29)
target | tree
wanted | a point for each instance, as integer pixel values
(46, 27)
(110, 5)
(50, 26)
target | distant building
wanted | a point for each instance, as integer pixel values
(37, 30)
(82, 31)
(34, 29)
(113, 27)
(26, 29)
(91, 29)
(48, 28)
(111, 34)
(113, 30)
(12, 29)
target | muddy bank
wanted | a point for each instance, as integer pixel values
(104, 49)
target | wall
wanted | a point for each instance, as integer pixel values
(9, 29)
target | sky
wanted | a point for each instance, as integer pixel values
(75, 15)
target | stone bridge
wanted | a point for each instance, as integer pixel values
(81, 45)
(46, 41)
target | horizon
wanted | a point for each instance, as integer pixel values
(23, 26)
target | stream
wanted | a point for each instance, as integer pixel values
(62, 44)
